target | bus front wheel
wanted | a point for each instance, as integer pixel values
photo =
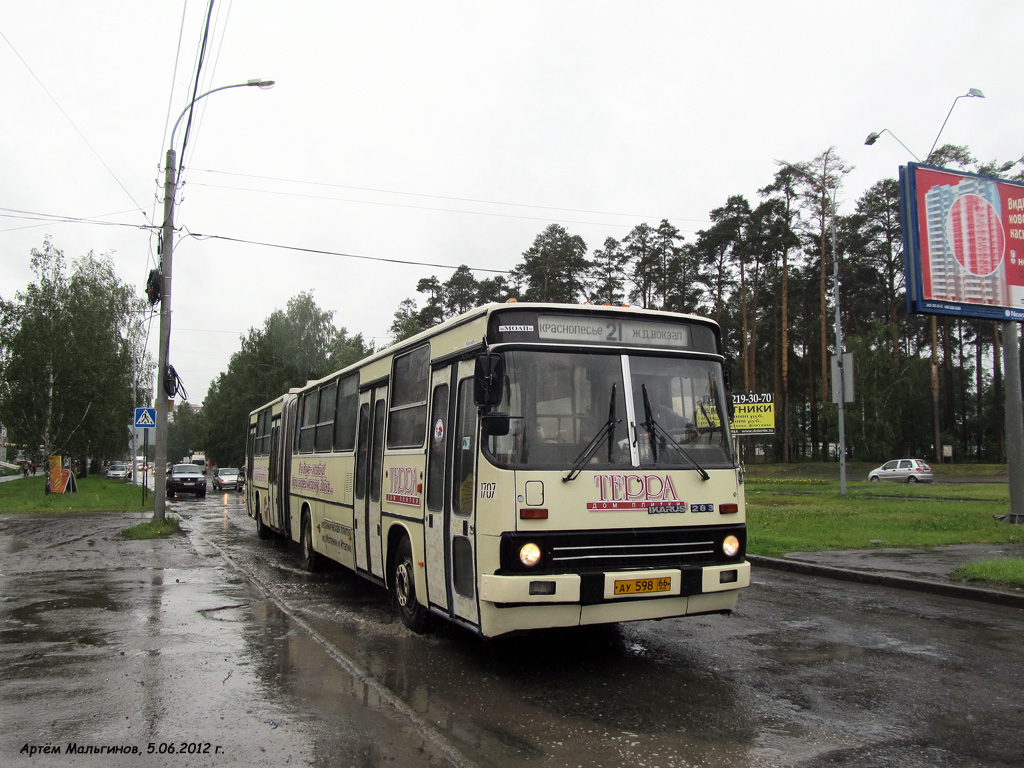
(403, 587)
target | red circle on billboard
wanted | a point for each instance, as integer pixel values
(976, 233)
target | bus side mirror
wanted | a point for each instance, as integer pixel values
(488, 379)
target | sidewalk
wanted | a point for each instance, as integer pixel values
(923, 570)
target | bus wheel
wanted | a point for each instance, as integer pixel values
(262, 532)
(403, 587)
(310, 559)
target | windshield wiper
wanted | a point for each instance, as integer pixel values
(607, 430)
(655, 430)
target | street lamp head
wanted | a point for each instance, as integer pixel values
(265, 85)
(875, 135)
(976, 92)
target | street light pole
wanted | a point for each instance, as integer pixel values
(841, 374)
(167, 256)
(971, 93)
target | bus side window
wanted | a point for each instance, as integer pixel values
(463, 479)
(345, 414)
(363, 450)
(438, 441)
(325, 417)
(308, 429)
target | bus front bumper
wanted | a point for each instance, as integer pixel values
(609, 588)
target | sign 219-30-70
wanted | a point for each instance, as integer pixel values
(753, 413)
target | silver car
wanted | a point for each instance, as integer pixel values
(903, 471)
(225, 477)
(117, 471)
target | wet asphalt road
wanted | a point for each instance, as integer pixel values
(221, 639)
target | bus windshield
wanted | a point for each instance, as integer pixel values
(567, 408)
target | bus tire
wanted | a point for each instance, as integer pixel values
(403, 587)
(310, 558)
(262, 532)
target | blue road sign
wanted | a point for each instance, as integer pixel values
(145, 418)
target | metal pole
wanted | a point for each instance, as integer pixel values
(1014, 421)
(167, 255)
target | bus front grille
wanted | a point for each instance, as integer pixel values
(622, 550)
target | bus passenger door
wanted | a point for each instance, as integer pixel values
(250, 450)
(438, 471)
(369, 474)
(460, 509)
(278, 494)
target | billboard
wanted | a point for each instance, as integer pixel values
(963, 240)
(753, 413)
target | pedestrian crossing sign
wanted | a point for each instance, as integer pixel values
(145, 418)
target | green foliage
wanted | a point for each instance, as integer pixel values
(70, 353)
(293, 346)
(555, 268)
(609, 274)
(185, 432)
(406, 323)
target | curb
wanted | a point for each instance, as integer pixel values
(945, 589)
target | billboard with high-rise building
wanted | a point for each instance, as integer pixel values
(963, 238)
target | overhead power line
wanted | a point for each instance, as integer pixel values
(200, 236)
(434, 197)
(419, 207)
(33, 216)
(77, 130)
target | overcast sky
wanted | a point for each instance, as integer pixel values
(450, 133)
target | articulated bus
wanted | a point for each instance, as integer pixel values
(521, 466)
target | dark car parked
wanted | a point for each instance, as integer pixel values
(186, 478)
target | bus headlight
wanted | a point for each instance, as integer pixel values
(730, 546)
(529, 555)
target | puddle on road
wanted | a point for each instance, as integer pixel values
(9, 545)
(235, 613)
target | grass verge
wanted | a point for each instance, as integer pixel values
(1004, 570)
(152, 529)
(27, 496)
(798, 508)
(793, 517)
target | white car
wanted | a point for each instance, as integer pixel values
(225, 477)
(117, 471)
(903, 471)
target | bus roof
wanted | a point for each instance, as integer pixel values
(484, 311)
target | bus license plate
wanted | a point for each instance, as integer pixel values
(642, 586)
